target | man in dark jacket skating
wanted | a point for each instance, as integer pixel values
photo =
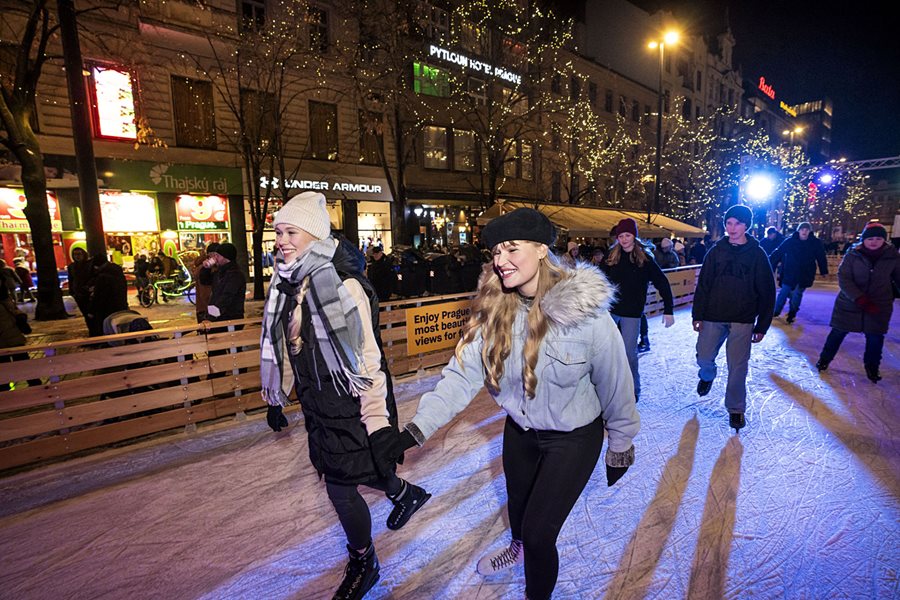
(734, 300)
(799, 255)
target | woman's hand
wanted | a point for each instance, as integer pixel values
(668, 320)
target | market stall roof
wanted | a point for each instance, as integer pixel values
(586, 221)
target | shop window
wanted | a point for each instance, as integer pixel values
(463, 150)
(592, 94)
(635, 111)
(477, 90)
(317, 20)
(509, 159)
(260, 112)
(253, 15)
(323, 131)
(192, 104)
(608, 101)
(434, 147)
(371, 139)
(431, 81)
(112, 98)
(527, 162)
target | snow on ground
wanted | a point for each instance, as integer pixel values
(803, 503)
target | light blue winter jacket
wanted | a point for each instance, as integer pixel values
(582, 369)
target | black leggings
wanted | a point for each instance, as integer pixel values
(352, 510)
(546, 471)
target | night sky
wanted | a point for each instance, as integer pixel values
(809, 50)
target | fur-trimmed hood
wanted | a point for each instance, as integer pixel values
(579, 295)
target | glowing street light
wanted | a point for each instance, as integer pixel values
(670, 38)
(760, 187)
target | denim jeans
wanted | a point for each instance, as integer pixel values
(629, 328)
(795, 293)
(871, 356)
(737, 356)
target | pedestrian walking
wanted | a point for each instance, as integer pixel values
(320, 333)
(799, 254)
(542, 341)
(26, 283)
(10, 279)
(80, 271)
(630, 266)
(868, 277)
(733, 301)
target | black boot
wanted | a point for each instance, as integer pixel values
(791, 316)
(703, 387)
(406, 502)
(736, 421)
(872, 373)
(643, 345)
(359, 576)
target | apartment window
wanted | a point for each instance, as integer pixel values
(113, 111)
(514, 53)
(477, 90)
(699, 81)
(437, 22)
(623, 106)
(259, 110)
(697, 113)
(608, 101)
(527, 161)
(635, 111)
(592, 94)
(574, 88)
(556, 83)
(192, 107)
(463, 150)
(323, 131)
(687, 109)
(667, 60)
(576, 188)
(555, 186)
(317, 20)
(474, 38)
(667, 101)
(509, 160)
(434, 146)
(516, 101)
(646, 114)
(370, 137)
(253, 15)
(431, 81)
(555, 141)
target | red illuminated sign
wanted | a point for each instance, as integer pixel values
(202, 212)
(811, 192)
(766, 88)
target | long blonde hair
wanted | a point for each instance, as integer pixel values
(493, 314)
(638, 253)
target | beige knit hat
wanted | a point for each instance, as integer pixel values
(306, 211)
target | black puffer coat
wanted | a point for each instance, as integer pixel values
(859, 276)
(338, 441)
(800, 258)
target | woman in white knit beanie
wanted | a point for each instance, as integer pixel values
(321, 319)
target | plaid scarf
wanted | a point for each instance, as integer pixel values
(335, 319)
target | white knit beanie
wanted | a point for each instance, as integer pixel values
(306, 211)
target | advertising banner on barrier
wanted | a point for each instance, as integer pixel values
(435, 327)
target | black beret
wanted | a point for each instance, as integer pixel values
(521, 224)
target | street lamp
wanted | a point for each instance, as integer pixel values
(669, 38)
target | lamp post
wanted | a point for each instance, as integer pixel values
(670, 38)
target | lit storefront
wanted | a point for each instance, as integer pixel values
(15, 233)
(131, 224)
(201, 220)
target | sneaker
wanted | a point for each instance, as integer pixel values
(502, 559)
(791, 317)
(359, 576)
(736, 421)
(643, 345)
(822, 364)
(408, 500)
(703, 387)
(872, 374)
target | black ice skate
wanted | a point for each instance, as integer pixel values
(703, 387)
(792, 316)
(822, 364)
(359, 576)
(873, 374)
(736, 421)
(406, 502)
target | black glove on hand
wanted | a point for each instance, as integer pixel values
(275, 418)
(407, 441)
(386, 450)
(613, 474)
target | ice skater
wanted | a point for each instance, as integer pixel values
(866, 300)
(542, 341)
(630, 266)
(799, 255)
(321, 319)
(734, 299)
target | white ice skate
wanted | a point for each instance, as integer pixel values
(501, 559)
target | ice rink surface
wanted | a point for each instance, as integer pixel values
(803, 503)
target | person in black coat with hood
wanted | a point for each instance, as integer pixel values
(320, 332)
(799, 255)
(229, 287)
(108, 293)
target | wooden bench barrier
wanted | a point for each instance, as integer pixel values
(115, 389)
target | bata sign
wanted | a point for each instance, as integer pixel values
(357, 187)
(473, 64)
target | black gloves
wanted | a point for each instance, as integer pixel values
(275, 418)
(22, 323)
(613, 474)
(386, 450)
(407, 441)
